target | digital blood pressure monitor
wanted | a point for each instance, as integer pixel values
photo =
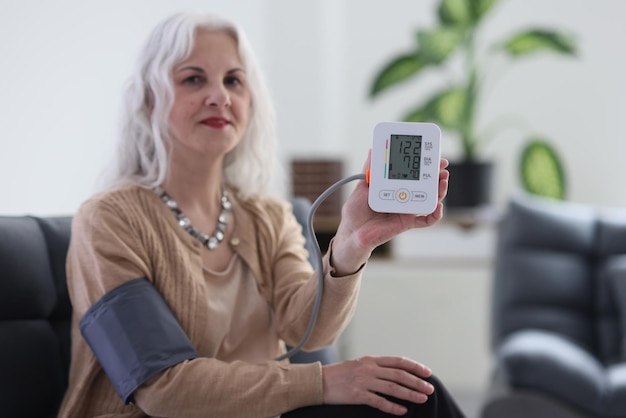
(404, 169)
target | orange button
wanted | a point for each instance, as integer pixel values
(402, 195)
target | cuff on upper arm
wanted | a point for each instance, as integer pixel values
(134, 335)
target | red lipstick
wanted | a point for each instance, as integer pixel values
(216, 122)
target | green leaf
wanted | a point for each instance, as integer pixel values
(455, 12)
(437, 45)
(464, 12)
(479, 8)
(536, 40)
(445, 109)
(398, 70)
(541, 170)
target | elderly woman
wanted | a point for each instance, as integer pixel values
(187, 278)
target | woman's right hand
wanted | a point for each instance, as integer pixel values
(365, 380)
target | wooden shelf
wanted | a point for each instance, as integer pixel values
(469, 218)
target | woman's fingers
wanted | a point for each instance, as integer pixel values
(371, 380)
(385, 405)
(402, 363)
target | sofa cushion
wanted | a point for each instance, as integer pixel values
(26, 291)
(35, 315)
(547, 362)
(615, 272)
(615, 396)
(543, 275)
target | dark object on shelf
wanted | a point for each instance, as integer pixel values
(470, 184)
(311, 177)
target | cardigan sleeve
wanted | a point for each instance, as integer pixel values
(295, 287)
(104, 253)
(209, 387)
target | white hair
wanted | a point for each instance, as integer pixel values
(142, 157)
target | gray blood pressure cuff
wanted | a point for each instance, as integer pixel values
(134, 335)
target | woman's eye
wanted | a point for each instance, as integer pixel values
(194, 79)
(232, 81)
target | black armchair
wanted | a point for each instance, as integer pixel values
(559, 312)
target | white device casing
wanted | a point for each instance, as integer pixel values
(400, 195)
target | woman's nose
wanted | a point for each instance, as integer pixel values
(217, 96)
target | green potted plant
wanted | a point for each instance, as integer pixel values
(455, 107)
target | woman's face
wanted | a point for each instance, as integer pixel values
(211, 98)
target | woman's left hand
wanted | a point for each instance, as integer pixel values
(361, 229)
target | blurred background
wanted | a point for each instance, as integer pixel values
(65, 64)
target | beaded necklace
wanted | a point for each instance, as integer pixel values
(211, 242)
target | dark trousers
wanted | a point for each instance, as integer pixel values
(440, 405)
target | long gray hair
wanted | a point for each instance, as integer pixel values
(142, 157)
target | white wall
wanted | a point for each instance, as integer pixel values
(64, 64)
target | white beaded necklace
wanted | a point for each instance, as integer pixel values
(211, 242)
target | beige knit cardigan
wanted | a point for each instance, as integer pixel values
(129, 233)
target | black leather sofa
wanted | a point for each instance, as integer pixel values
(35, 315)
(559, 312)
